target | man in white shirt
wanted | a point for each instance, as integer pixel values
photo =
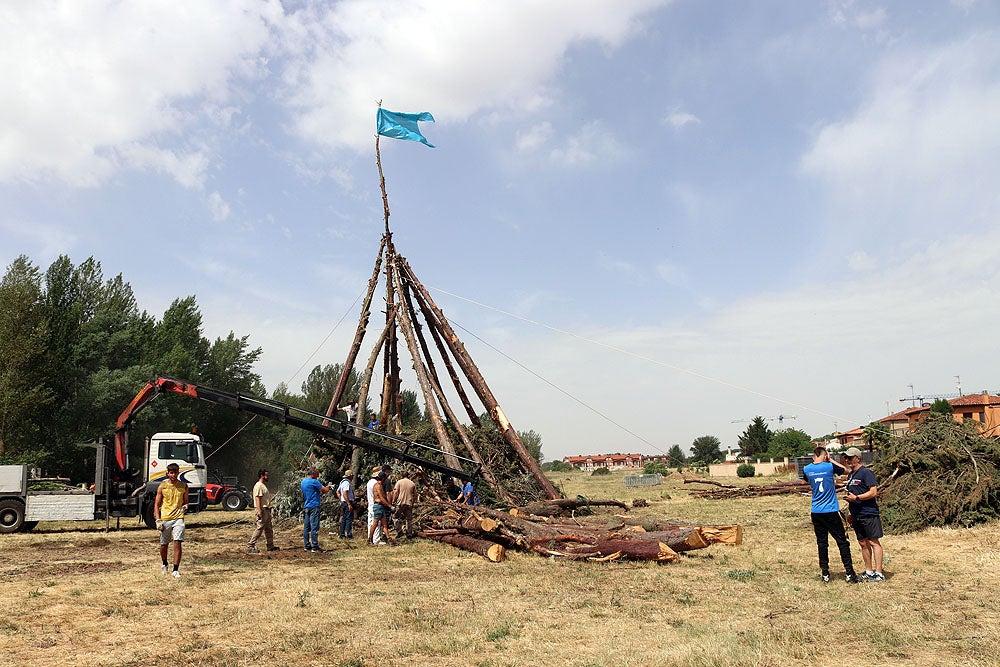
(345, 492)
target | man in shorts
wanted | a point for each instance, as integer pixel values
(381, 508)
(168, 509)
(865, 517)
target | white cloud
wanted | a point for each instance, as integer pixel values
(51, 240)
(672, 274)
(861, 261)
(592, 144)
(89, 86)
(218, 207)
(679, 119)
(483, 58)
(535, 137)
(921, 152)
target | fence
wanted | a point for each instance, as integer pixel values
(632, 481)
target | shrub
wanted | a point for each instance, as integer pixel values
(600, 471)
(655, 467)
(746, 470)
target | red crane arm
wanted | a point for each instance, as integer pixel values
(141, 400)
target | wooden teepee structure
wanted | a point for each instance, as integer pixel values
(412, 314)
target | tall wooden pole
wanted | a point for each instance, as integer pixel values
(479, 385)
(422, 378)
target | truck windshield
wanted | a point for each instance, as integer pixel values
(185, 450)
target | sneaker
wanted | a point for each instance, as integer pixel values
(273, 548)
(252, 550)
(175, 574)
(316, 550)
(878, 577)
(826, 577)
(852, 579)
(163, 569)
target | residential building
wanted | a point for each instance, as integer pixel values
(610, 461)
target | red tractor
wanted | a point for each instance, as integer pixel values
(228, 492)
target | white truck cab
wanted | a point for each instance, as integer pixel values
(187, 450)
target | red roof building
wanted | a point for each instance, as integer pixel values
(609, 461)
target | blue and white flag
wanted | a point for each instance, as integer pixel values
(403, 125)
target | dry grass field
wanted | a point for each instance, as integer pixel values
(71, 594)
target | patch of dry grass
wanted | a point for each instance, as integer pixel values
(86, 597)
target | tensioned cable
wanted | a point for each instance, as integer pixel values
(297, 371)
(642, 357)
(558, 388)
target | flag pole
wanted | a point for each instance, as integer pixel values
(381, 181)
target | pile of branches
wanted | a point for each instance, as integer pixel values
(945, 473)
(751, 491)
(490, 532)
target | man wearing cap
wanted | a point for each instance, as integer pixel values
(370, 496)
(825, 513)
(862, 490)
(381, 508)
(346, 494)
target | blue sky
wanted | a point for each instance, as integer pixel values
(665, 216)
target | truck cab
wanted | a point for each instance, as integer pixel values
(187, 450)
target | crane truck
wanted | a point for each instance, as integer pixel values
(121, 491)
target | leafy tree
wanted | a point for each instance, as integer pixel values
(941, 406)
(655, 467)
(322, 381)
(557, 466)
(24, 337)
(877, 435)
(532, 441)
(756, 438)
(789, 442)
(675, 457)
(409, 407)
(706, 449)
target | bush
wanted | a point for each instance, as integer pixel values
(557, 466)
(600, 471)
(746, 470)
(655, 467)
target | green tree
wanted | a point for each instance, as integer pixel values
(24, 339)
(557, 466)
(789, 442)
(655, 467)
(410, 407)
(877, 435)
(675, 457)
(756, 439)
(941, 406)
(532, 441)
(706, 449)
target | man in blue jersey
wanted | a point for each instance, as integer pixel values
(826, 518)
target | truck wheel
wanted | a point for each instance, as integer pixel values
(234, 501)
(11, 515)
(147, 516)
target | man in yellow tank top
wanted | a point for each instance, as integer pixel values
(169, 507)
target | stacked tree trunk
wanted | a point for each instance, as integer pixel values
(490, 533)
(751, 491)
